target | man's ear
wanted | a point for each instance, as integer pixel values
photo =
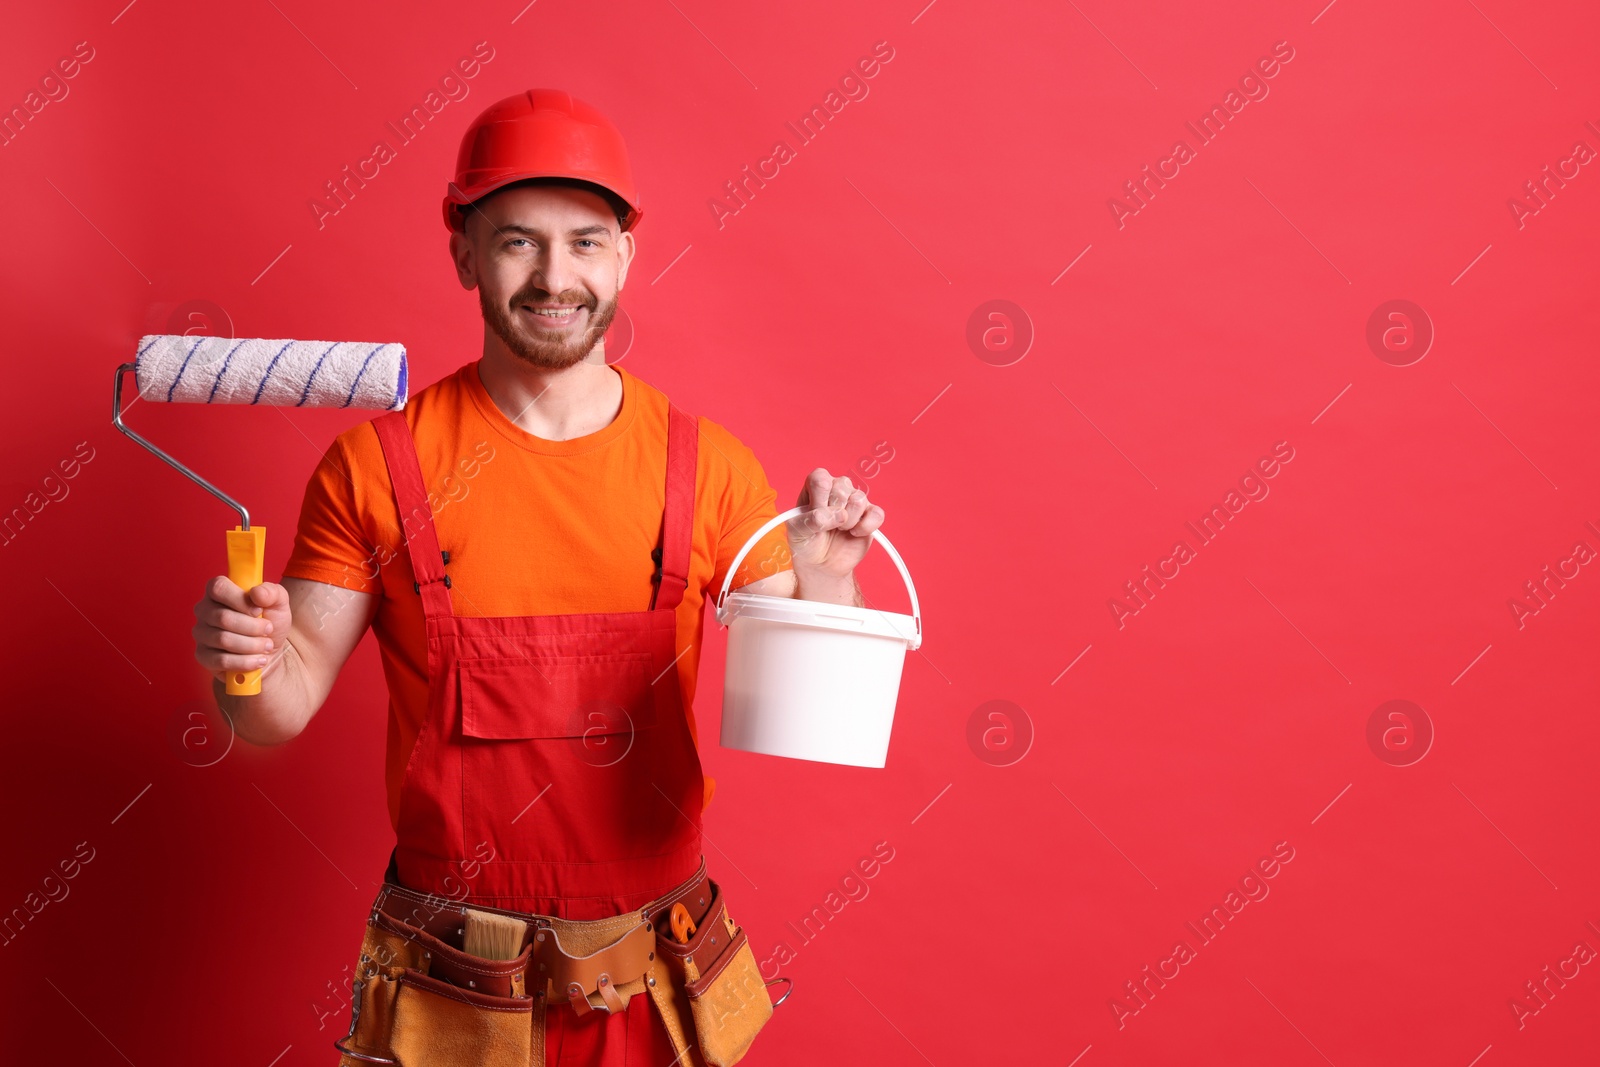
(625, 250)
(464, 256)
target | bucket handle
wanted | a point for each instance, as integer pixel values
(877, 535)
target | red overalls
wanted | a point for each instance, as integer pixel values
(557, 746)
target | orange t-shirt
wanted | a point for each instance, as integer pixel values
(533, 527)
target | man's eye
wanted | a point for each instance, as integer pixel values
(586, 241)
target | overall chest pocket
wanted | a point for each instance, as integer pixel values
(558, 755)
(584, 697)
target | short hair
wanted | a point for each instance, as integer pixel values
(619, 207)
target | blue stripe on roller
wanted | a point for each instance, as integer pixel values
(186, 359)
(223, 370)
(307, 390)
(268, 375)
(360, 372)
(400, 384)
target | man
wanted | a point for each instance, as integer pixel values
(531, 540)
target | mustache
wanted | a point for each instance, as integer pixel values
(543, 296)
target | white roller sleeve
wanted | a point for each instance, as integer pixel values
(280, 372)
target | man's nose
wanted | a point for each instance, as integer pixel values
(555, 273)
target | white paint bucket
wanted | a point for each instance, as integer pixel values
(809, 680)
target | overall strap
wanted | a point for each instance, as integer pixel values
(677, 522)
(416, 517)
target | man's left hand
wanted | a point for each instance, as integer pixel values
(834, 535)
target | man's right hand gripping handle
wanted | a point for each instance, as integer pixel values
(236, 630)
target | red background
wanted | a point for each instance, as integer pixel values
(223, 903)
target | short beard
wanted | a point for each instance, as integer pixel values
(552, 354)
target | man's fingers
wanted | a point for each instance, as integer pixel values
(224, 592)
(210, 637)
(236, 623)
(253, 601)
(870, 521)
(218, 662)
(815, 494)
(839, 492)
(855, 506)
(269, 595)
(233, 631)
(222, 618)
(828, 499)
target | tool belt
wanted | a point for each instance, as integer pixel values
(418, 1000)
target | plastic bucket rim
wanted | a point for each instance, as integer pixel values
(877, 535)
(814, 615)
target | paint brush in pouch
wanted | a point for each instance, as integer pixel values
(491, 936)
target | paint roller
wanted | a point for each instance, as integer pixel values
(177, 368)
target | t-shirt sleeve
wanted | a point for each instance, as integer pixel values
(747, 502)
(330, 543)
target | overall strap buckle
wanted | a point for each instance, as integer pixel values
(416, 587)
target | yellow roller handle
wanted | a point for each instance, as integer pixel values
(246, 554)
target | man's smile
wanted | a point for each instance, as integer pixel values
(554, 315)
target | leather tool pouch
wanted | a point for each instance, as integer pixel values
(424, 1003)
(418, 1000)
(710, 986)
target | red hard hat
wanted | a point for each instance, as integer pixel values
(540, 133)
